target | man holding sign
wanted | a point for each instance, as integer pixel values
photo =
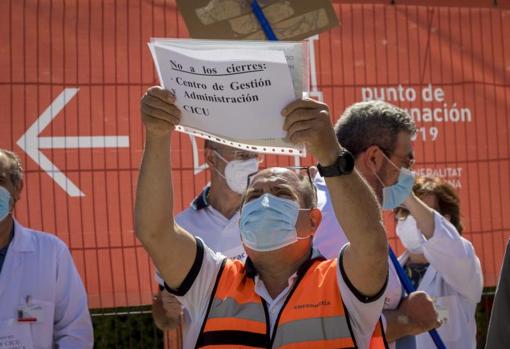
(285, 294)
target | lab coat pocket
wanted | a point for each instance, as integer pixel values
(14, 334)
(42, 329)
(451, 329)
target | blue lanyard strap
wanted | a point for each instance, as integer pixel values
(264, 23)
(408, 286)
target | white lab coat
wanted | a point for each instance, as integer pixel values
(40, 266)
(454, 278)
(219, 233)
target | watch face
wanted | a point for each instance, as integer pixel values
(346, 162)
(342, 163)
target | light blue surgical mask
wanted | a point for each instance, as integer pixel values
(269, 223)
(5, 203)
(394, 195)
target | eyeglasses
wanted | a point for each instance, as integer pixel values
(406, 161)
(302, 171)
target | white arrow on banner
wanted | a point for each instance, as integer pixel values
(31, 143)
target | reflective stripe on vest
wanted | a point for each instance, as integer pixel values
(334, 330)
(250, 317)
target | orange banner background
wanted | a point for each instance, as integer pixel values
(449, 66)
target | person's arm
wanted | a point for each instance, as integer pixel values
(171, 248)
(72, 322)
(355, 205)
(423, 214)
(450, 254)
(166, 311)
(416, 314)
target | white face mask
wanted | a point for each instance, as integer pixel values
(237, 172)
(410, 236)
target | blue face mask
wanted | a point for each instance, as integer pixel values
(269, 223)
(5, 203)
(394, 195)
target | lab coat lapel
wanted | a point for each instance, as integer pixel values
(11, 270)
(428, 278)
(10, 277)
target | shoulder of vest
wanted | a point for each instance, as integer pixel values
(233, 277)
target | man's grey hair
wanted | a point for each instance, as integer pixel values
(372, 123)
(15, 167)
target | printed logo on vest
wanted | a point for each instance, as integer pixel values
(322, 303)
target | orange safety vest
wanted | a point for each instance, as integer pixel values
(313, 315)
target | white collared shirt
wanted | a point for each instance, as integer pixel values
(273, 305)
(221, 234)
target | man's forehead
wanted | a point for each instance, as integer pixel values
(276, 175)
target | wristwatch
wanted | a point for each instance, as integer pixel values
(344, 164)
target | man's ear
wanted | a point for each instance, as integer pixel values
(373, 158)
(315, 219)
(209, 157)
(313, 172)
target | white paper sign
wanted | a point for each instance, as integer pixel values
(14, 335)
(233, 95)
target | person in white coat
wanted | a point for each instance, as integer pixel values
(43, 303)
(440, 261)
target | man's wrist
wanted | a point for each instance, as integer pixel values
(330, 157)
(409, 201)
(156, 139)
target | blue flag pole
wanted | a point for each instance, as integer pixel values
(264, 23)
